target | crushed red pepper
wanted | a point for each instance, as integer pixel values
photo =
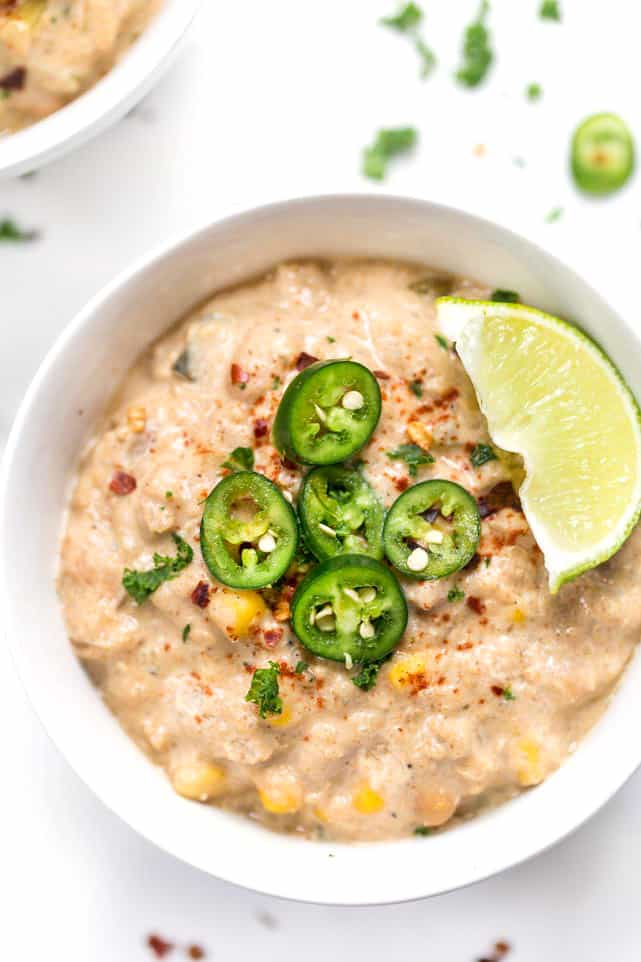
(237, 375)
(200, 594)
(14, 80)
(122, 483)
(304, 360)
(261, 427)
(476, 605)
(195, 952)
(159, 946)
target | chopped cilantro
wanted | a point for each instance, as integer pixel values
(416, 387)
(301, 666)
(508, 694)
(331, 339)
(488, 561)
(407, 18)
(550, 10)
(555, 214)
(275, 382)
(481, 454)
(455, 594)
(241, 459)
(141, 584)
(477, 52)
(169, 495)
(442, 342)
(263, 690)
(413, 457)
(423, 830)
(387, 144)
(185, 634)
(502, 296)
(426, 56)
(367, 676)
(534, 91)
(10, 232)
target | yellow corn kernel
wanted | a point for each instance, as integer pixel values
(321, 815)
(136, 419)
(240, 608)
(367, 801)
(199, 781)
(529, 770)
(284, 799)
(436, 806)
(285, 718)
(282, 611)
(402, 671)
(420, 434)
(518, 616)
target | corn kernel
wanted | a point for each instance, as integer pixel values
(321, 815)
(530, 770)
(367, 801)
(282, 611)
(239, 609)
(436, 806)
(199, 781)
(284, 799)
(518, 616)
(420, 434)
(285, 718)
(136, 419)
(402, 672)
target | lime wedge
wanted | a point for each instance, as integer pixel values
(551, 395)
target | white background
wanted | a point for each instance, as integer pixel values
(266, 101)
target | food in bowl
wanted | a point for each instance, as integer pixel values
(401, 664)
(51, 51)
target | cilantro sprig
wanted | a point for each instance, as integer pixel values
(477, 51)
(388, 143)
(264, 692)
(481, 454)
(367, 676)
(11, 233)
(412, 455)
(407, 21)
(241, 459)
(141, 584)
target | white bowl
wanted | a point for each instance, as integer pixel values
(105, 102)
(63, 403)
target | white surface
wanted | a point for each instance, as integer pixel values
(266, 102)
(76, 381)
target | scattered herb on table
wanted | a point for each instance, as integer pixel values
(501, 296)
(263, 690)
(442, 342)
(555, 214)
(550, 10)
(426, 56)
(455, 594)
(407, 18)
(241, 459)
(11, 233)
(367, 676)
(416, 387)
(534, 92)
(141, 584)
(481, 454)
(412, 455)
(477, 52)
(388, 143)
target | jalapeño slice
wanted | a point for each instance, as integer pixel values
(328, 412)
(432, 530)
(340, 513)
(248, 533)
(602, 154)
(350, 608)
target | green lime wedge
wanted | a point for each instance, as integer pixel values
(551, 395)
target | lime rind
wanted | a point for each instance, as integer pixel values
(464, 322)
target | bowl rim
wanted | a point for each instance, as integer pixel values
(482, 867)
(107, 100)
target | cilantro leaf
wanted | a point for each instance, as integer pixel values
(442, 342)
(412, 455)
(426, 56)
(388, 143)
(416, 387)
(406, 19)
(534, 91)
(367, 676)
(140, 584)
(301, 666)
(555, 214)
(501, 296)
(11, 233)
(263, 690)
(549, 10)
(477, 52)
(455, 594)
(241, 459)
(481, 454)
(423, 830)
(185, 632)
(508, 694)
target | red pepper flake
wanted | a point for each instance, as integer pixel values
(159, 946)
(497, 690)
(238, 376)
(198, 719)
(465, 646)
(304, 360)
(14, 80)
(272, 636)
(195, 952)
(261, 427)
(476, 605)
(381, 375)
(401, 484)
(288, 465)
(356, 315)
(122, 483)
(200, 594)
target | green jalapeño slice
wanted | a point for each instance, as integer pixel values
(340, 513)
(248, 533)
(602, 154)
(328, 412)
(350, 608)
(432, 530)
